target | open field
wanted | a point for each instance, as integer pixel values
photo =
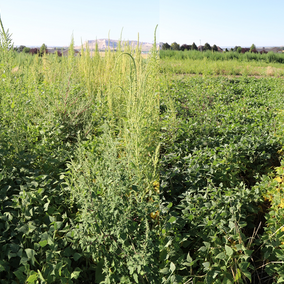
(231, 63)
(231, 67)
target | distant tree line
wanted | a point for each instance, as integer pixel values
(176, 46)
(40, 51)
(207, 46)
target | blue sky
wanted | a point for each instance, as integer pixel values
(220, 22)
(33, 22)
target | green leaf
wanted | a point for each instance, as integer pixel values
(243, 266)
(188, 258)
(2, 268)
(135, 276)
(228, 278)
(75, 274)
(206, 265)
(172, 267)
(221, 255)
(32, 278)
(45, 206)
(40, 276)
(20, 274)
(238, 275)
(247, 274)
(76, 256)
(99, 272)
(172, 219)
(24, 229)
(229, 251)
(31, 255)
(164, 270)
(43, 243)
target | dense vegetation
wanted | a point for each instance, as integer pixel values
(222, 141)
(79, 176)
(216, 63)
(114, 169)
(269, 57)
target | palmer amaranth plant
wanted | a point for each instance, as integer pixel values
(79, 177)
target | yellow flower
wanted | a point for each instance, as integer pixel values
(279, 179)
(155, 215)
(156, 186)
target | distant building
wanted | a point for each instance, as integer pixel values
(66, 51)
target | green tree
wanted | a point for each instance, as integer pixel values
(26, 49)
(215, 48)
(21, 48)
(175, 46)
(252, 47)
(207, 46)
(166, 46)
(236, 48)
(194, 46)
(43, 49)
(239, 49)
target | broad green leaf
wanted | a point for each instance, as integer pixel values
(172, 219)
(32, 278)
(43, 243)
(164, 270)
(24, 229)
(188, 258)
(75, 274)
(31, 255)
(20, 274)
(229, 251)
(206, 265)
(243, 266)
(76, 256)
(135, 276)
(172, 267)
(221, 255)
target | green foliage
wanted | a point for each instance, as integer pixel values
(214, 47)
(115, 228)
(166, 46)
(223, 56)
(194, 46)
(5, 38)
(26, 49)
(42, 49)
(213, 157)
(252, 47)
(207, 46)
(21, 48)
(52, 111)
(175, 46)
